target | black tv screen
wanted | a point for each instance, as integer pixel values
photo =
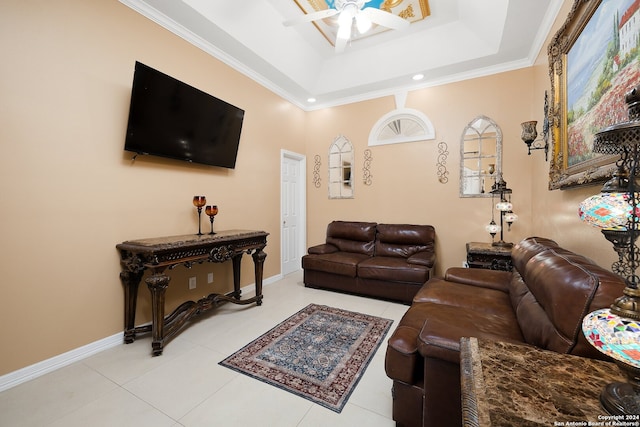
(169, 118)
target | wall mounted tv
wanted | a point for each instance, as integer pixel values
(169, 118)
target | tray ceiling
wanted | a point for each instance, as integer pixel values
(460, 39)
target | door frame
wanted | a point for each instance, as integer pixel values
(302, 198)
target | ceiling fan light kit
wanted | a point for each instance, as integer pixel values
(345, 22)
(363, 23)
(349, 11)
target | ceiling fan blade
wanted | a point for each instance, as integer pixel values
(385, 19)
(341, 44)
(311, 17)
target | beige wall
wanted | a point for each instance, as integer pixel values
(405, 185)
(69, 193)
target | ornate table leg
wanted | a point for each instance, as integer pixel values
(236, 260)
(130, 280)
(258, 261)
(157, 283)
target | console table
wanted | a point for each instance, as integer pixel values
(162, 253)
(507, 384)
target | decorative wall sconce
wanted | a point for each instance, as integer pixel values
(505, 207)
(317, 181)
(529, 133)
(615, 331)
(366, 169)
(443, 152)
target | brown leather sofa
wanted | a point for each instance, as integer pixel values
(541, 302)
(390, 261)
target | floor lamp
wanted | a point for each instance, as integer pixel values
(615, 331)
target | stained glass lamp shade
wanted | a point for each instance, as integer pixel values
(492, 227)
(606, 210)
(510, 217)
(615, 331)
(619, 338)
(504, 206)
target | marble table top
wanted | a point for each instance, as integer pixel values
(507, 384)
(488, 248)
(194, 239)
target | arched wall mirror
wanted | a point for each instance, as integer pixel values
(341, 159)
(480, 157)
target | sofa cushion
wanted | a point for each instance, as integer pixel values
(428, 259)
(323, 248)
(517, 290)
(392, 269)
(446, 324)
(561, 288)
(404, 240)
(524, 250)
(352, 236)
(440, 291)
(494, 279)
(341, 263)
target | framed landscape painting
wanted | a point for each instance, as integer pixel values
(593, 63)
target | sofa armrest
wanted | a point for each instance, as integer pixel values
(492, 279)
(425, 258)
(325, 248)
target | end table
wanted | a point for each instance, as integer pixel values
(485, 255)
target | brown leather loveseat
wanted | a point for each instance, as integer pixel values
(541, 303)
(390, 261)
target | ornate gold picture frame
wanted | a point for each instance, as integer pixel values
(591, 67)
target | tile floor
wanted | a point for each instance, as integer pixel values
(126, 386)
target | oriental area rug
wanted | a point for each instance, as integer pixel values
(320, 353)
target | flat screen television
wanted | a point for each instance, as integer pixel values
(169, 118)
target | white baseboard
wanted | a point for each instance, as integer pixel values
(25, 374)
(36, 370)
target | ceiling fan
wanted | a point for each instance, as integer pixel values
(350, 11)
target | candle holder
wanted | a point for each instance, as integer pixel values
(212, 211)
(199, 202)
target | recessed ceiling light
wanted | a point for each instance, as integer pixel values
(311, 100)
(417, 77)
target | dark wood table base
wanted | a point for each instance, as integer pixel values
(160, 254)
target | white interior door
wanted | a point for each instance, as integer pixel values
(293, 218)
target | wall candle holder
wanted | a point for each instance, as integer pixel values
(529, 132)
